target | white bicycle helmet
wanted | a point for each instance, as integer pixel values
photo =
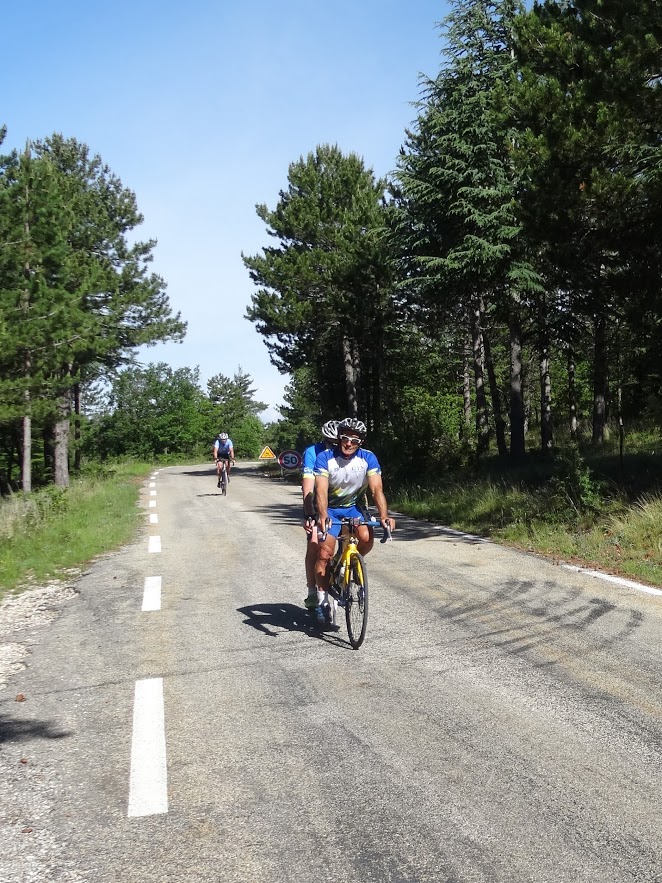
(223, 436)
(330, 430)
(353, 425)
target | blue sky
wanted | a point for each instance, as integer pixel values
(200, 108)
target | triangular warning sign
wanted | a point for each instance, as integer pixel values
(267, 454)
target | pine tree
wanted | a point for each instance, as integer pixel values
(324, 290)
(457, 225)
(84, 295)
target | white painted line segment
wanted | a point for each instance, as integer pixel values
(148, 784)
(152, 504)
(449, 531)
(628, 583)
(152, 493)
(152, 484)
(152, 594)
(153, 518)
(154, 544)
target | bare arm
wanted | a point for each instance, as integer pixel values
(322, 499)
(308, 493)
(377, 491)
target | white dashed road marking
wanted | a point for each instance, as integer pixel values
(152, 504)
(148, 785)
(153, 518)
(152, 493)
(152, 484)
(154, 544)
(152, 593)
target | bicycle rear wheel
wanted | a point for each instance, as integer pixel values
(356, 601)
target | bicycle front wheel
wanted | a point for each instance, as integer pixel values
(356, 601)
(224, 482)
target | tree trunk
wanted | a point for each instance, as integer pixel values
(376, 385)
(350, 377)
(26, 465)
(517, 446)
(572, 393)
(61, 466)
(546, 428)
(599, 382)
(466, 390)
(619, 400)
(497, 407)
(77, 409)
(482, 426)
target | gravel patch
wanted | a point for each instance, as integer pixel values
(30, 853)
(29, 610)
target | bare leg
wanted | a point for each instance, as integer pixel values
(326, 550)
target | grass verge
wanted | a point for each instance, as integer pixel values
(54, 529)
(568, 515)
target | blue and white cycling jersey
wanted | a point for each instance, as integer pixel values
(309, 457)
(222, 448)
(348, 476)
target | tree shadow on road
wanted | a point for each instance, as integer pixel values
(407, 529)
(16, 730)
(273, 619)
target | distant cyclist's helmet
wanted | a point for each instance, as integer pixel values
(351, 424)
(223, 436)
(330, 430)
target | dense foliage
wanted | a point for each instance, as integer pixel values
(76, 297)
(505, 285)
(156, 411)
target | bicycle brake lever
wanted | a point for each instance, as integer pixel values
(388, 536)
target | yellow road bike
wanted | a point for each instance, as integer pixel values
(349, 582)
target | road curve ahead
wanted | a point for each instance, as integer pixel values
(185, 721)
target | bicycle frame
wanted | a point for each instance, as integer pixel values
(340, 564)
(222, 474)
(348, 587)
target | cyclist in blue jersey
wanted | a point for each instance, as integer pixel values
(223, 450)
(308, 493)
(342, 475)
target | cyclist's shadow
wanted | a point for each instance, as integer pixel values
(272, 619)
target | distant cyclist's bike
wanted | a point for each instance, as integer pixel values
(222, 473)
(349, 582)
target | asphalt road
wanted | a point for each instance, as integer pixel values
(502, 721)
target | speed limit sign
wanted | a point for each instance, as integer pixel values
(290, 459)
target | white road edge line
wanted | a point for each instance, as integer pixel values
(148, 784)
(152, 504)
(153, 518)
(152, 493)
(628, 583)
(152, 593)
(152, 484)
(154, 544)
(596, 574)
